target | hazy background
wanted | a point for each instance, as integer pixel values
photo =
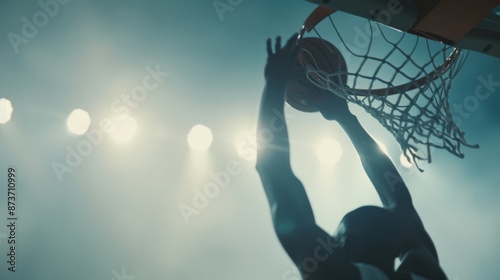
(118, 211)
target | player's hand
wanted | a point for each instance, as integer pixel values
(282, 62)
(332, 107)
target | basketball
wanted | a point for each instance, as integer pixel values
(321, 55)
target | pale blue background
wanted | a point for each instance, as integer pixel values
(119, 208)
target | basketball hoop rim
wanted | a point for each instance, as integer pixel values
(322, 12)
(319, 14)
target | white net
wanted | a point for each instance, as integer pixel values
(401, 80)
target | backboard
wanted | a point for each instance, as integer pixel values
(464, 24)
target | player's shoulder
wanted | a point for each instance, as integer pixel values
(370, 272)
(332, 268)
(360, 271)
(403, 275)
(367, 271)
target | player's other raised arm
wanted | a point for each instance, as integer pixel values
(378, 166)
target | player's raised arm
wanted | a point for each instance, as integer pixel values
(377, 165)
(285, 193)
(292, 215)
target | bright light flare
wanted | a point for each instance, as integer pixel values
(200, 138)
(78, 122)
(125, 128)
(246, 144)
(329, 151)
(5, 111)
(381, 146)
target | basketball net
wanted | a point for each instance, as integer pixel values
(401, 80)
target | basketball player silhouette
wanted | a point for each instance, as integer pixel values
(368, 239)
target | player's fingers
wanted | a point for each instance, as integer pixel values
(278, 44)
(268, 47)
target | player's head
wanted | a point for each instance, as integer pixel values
(370, 235)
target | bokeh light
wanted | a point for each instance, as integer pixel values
(329, 151)
(78, 122)
(404, 161)
(200, 138)
(125, 128)
(5, 111)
